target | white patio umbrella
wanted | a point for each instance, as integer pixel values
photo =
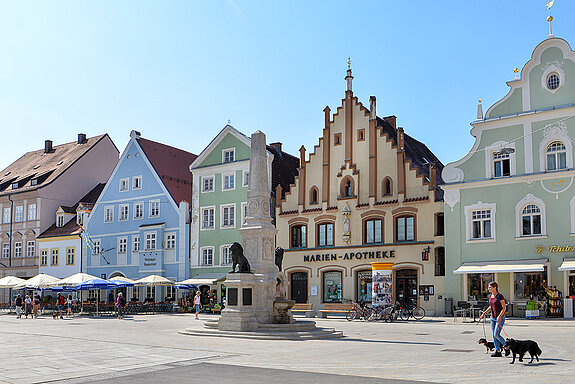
(72, 281)
(153, 281)
(10, 281)
(121, 278)
(39, 281)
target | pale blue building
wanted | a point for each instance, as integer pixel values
(140, 224)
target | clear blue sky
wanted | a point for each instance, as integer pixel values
(178, 70)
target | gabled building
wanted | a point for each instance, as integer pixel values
(34, 186)
(366, 199)
(221, 177)
(60, 246)
(509, 203)
(140, 224)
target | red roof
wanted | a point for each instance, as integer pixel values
(173, 166)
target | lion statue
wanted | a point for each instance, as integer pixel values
(239, 259)
(279, 257)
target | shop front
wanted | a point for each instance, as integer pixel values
(380, 275)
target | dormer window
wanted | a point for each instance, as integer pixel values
(34, 182)
(60, 221)
(14, 185)
(80, 218)
(228, 155)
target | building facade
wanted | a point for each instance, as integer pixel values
(220, 179)
(34, 186)
(366, 196)
(509, 203)
(140, 224)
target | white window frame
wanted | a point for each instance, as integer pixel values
(19, 214)
(555, 132)
(7, 216)
(136, 243)
(468, 221)
(225, 249)
(17, 249)
(226, 151)
(223, 207)
(31, 212)
(245, 178)
(5, 251)
(97, 247)
(43, 257)
(55, 252)
(213, 182)
(170, 239)
(139, 207)
(124, 184)
(494, 148)
(205, 249)
(71, 251)
(136, 182)
(244, 213)
(530, 199)
(556, 156)
(123, 244)
(203, 227)
(151, 237)
(233, 176)
(121, 215)
(553, 68)
(59, 220)
(151, 206)
(30, 248)
(109, 214)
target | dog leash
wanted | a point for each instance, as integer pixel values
(500, 325)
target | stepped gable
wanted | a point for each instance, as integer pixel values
(72, 227)
(284, 168)
(42, 167)
(172, 166)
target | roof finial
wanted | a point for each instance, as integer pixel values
(348, 62)
(516, 71)
(479, 110)
(349, 77)
(549, 17)
(229, 121)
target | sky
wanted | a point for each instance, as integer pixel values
(177, 71)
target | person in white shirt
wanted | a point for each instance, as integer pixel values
(198, 304)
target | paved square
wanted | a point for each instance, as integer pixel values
(142, 348)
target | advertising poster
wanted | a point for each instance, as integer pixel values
(381, 284)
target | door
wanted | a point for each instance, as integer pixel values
(299, 287)
(406, 286)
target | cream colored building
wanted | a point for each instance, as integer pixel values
(367, 194)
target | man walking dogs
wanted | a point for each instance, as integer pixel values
(497, 307)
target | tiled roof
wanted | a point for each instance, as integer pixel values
(71, 227)
(43, 168)
(284, 168)
(67, 209)
(173, 166)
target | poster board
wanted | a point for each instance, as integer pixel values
(382, 284)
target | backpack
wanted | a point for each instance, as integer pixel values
(122, 302)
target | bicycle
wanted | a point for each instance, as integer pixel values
(389, 313)
(405, 313)
(360, 311)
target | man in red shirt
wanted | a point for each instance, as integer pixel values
(61, 302)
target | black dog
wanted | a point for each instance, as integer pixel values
(488, 344)
(521, 347)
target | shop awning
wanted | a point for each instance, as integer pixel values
(205, 279)
(568, 264)
(531, 265)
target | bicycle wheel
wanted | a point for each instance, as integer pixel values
(370, 314)
(351, 315)
(418, 313)
(404, 314)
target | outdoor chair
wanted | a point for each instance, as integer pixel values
(462, 309)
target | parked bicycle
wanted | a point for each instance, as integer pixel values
(360, 311)
(388, 314)
(407, 312)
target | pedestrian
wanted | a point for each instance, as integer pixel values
(18, 304)
(70, 303)
(198, 304)
(497, 308)
(36, 305)
(120, 305)
(61, 302)
(28, 306)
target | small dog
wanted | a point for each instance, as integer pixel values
(488, 344)
(54, 315)
(521, 347)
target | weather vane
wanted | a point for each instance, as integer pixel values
(348, 62)
(549, 17)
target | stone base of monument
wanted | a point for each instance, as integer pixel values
(298, 330)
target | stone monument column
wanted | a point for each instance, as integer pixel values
(250, 296)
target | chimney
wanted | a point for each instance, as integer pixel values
(391, 120)
(432, 176)
(81, 138)
(277, 146)
(47, 146)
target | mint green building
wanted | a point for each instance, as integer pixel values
(510, 202)
(219, 202)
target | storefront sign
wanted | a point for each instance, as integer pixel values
(150, 261)
(556, 248)
(350, 256)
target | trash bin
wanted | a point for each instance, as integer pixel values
(449, 306)
(568, 308)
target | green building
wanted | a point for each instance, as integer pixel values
(219, 202)
(510, 202)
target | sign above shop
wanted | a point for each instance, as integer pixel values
(555, 248)
(350, 256)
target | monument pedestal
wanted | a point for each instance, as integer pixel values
(249, 301)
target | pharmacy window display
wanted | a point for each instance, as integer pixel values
(332, 292)
(364, 279)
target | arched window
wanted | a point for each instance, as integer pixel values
(373, 231)
(298, 236)
(347, 187)
(531, 220)
(325, 235)
(556, 156)
(387, 187)
(313, 195)
(405, 228)
(440, 261)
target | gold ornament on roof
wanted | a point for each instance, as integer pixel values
(348, 62)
